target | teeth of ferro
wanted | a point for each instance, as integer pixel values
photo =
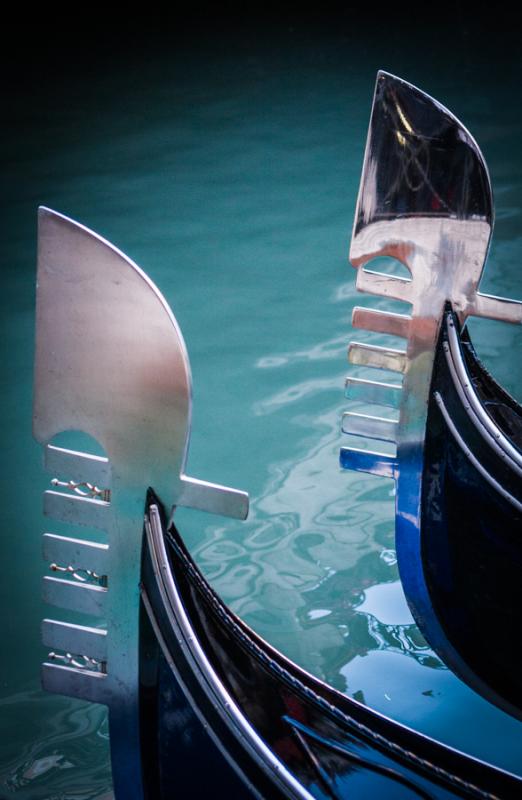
(369, 427)
(75, 638)
(373, 392)
(79, 668)
(371, 319)
(384, 285)
(369, 355)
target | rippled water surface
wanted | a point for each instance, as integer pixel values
(228, 169)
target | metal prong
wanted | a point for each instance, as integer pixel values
(385, 430)
(370, 319)
(500, 308)
(366, 461)
(86, 685)
(213, 498)
(373, 392)
(373, 356)
(83, 597)
(384, 285)
(79, 553)
(75, 638)
(76, 510)
(78, 466)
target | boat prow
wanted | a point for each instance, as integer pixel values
(425, 200)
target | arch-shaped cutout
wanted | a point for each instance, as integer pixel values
(79, 441)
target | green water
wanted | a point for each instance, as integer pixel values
(227, 167)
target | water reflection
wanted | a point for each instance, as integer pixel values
(315, 544)
(61, 754)
(314, 571)
(234, 188)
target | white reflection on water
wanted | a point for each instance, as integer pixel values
(323, 351)
(295, 393)
(387, 603)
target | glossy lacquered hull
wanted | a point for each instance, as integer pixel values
(224, 714)
(472, 521)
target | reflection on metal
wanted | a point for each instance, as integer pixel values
(190, 643)
(78, 661)
(110, 362)
(385, 430)
(372, 319)
(75, 638)
(373, 392)
(367, 355)
(76, 553)
(425, 200)
(85, 598)
(84, 489)
(81, 574)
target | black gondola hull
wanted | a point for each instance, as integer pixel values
(315, 742)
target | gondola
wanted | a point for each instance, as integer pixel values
(267, 728)
(198, 703)
(425, 200)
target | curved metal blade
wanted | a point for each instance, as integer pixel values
(110, 358)
(110, 362)
(425, 199)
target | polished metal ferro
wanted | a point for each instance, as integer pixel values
(110, 362)
(424, 200)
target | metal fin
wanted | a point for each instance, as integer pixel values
(75, 638)
(385, 430)
(367, 461)
(384, 285)
(213, 498)
(368, 355)
(83, 684)
(372, 392)
(77, 466)
(77, 553)
(370, 319)
(82, 597)
(500, 308)
(76, 510)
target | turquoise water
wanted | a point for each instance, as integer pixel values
(228, 169)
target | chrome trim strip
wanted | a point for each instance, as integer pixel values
(485, 425)
(173, 604)
(469, 455)
(172, 664)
